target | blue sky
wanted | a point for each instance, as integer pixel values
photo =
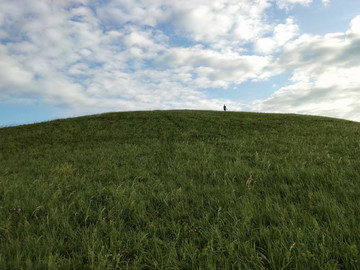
(69, 58)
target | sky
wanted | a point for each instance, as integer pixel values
(67, 58)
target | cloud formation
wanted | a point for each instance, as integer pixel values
(325, 76)
(91, 56)
(282, 33)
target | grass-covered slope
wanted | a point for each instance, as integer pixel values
(181, 190)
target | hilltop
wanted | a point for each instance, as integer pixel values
(181, 190)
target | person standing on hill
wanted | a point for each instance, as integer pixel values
(224, 107)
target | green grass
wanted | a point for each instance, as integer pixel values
(181, 190)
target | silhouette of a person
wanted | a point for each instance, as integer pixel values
(224, 107)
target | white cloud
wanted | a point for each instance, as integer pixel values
(325, 76)
(285, 32)
(354, 26)
(118, 55)
(214, 67)
(289, 3)
(213, 21)
(265, 45)
(209, 21)
(66, 56)
(12, 75)
(307, 98)
(282, 33)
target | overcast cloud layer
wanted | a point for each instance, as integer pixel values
(93, 56)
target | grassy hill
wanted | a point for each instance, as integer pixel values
(181, 190)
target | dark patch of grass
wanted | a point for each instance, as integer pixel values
(181, 190)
